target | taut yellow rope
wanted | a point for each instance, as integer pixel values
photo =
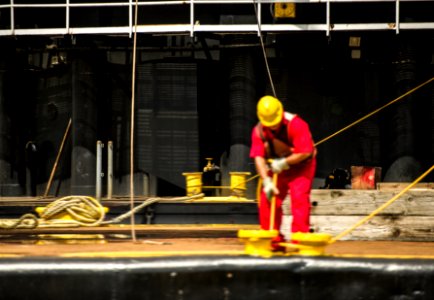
(382, 207)
(363, 118)
(374, 112)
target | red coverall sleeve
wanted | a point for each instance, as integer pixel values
(301, 136)
(257, 148)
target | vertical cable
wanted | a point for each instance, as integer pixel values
(67, 16)
(133, 81)
(12, 18)
(263, 49)
(191, 18)
(130, 14)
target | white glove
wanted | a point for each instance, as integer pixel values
(269, 187)
(279, 164)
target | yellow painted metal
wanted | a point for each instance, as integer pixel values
(70, 239)
(284, 10)
(238, 184)
(193, 183)
(258, 242)
(309, 244)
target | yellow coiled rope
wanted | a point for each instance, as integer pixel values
(87, 211)
(82, 211)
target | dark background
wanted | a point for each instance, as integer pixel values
(196, 96)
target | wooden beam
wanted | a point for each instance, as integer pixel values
(386, 228)
(363, 202)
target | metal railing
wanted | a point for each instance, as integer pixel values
(11, 27)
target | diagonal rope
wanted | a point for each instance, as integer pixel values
(382, 207)
(363, 118)
(374, 112)
(56, 162)
(339, 131)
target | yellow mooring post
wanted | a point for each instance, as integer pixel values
(193, 183)
(258, 242)
(309, 244)
(238, 184)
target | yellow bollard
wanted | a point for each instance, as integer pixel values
(238, 184)
(193, 183)
(258, 242)
(310, 244)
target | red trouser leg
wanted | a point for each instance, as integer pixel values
(300, 203)
(299, 187)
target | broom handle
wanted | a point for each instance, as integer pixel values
(273, 204)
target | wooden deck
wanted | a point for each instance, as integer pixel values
(405, 228)
(174, 240)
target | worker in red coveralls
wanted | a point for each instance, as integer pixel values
(286, 139)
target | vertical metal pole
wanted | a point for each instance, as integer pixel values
(146, 184)
(130, 17)
(133, 94)
(12, 18)
(258, 16)
(397, 17)
(192, 18)
(109, 170)
(99, 146)
(328, 18)
(67, 16)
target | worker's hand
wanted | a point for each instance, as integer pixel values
(269, 188)
(279, 164)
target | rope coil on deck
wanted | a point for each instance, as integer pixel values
(84, 211)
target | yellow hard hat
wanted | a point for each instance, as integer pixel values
(270, 111)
